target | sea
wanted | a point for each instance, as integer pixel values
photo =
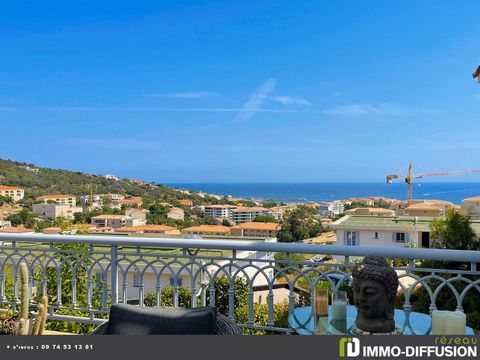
(305, 192)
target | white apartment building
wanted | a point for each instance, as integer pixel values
(383, 231)
(471, 207)
(115, 221)
(97, 200)
(176, 213)
(331, 208)
(52, 211)
(217, 211)
(59, 199)
(244, 214)
(13, 192)
(5, 224)
(172, 274)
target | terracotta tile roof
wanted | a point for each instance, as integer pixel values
(145, 228)
(250, 209)
(220, 206)
(424, 207)
(110, 217)
(3, 188)
(16, 230)
(208, 228)
(258, 226)
(185, 202)
(132, 200)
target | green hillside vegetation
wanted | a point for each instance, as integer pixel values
(56, 181)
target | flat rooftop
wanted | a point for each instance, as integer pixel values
(391, 221)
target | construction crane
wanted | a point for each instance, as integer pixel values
(410, 176)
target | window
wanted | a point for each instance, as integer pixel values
(376, 235)
(351, 238)
(400, 238)
(136, 281)
(179, 281)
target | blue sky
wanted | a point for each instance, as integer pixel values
(235, 91)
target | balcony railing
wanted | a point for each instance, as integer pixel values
(85, 274)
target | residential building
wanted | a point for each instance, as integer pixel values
(96, 203)
(370, 212)
(216, 211)
(137, 214)
(165, 204)
(362, 201)
(244, 214)
(17, 230)
(149, 229)
(131, 201)
(137, 181)
(256, 229)
(400, 207)
(111, 177)
(326, 222)
(176, 213)
(381, 231)
(186, 202)
(207, 230)
(5, 224)
(386, 231)
(423, 209)
(13, 192)
(59, 199)
(471, 207)
(277, 212)
(331, 208)
(52, 211)
(114, 221)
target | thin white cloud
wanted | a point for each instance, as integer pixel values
(76, 108)
(380, 110)
(289, 100)
(256, 100)
(185, 95)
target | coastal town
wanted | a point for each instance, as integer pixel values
(367, 221)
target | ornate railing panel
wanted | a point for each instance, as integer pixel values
(83, 275)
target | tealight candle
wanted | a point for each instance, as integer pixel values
(456, 323)
(448, 322)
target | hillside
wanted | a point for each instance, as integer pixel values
(52, 181)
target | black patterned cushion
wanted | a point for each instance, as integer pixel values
(133, 320)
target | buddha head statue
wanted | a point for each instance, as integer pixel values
(375, 286)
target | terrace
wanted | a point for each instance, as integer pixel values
(83, 275)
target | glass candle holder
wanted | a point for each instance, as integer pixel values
(321, 311)
(339, 305)
(321, 302)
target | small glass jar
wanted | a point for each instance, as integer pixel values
(339, 305)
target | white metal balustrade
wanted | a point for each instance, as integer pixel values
(121, 269)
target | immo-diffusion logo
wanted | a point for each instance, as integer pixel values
(349, 347)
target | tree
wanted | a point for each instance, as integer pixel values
(454, 232)
(166, 297)
(23, 217)
(299, 224)
(263, 218)
(222, 286)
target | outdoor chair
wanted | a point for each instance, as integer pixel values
(127, 319)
